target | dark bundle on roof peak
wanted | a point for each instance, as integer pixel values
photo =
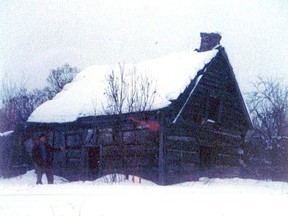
(209, 41)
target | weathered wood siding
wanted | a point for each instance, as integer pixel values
(133, 150)
(205, 136)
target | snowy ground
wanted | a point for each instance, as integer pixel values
(20, 196)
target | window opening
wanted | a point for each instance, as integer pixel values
(213, 109)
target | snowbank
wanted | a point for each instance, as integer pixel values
(85, 96)
(20, 196)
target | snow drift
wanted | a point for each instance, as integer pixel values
(238, 197)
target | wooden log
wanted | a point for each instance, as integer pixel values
(181, 138)
(161, 180)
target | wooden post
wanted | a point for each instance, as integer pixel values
(100, 167)
(161, 179)
(65, 157)
(83, 167)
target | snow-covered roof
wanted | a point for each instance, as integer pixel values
(85, 95)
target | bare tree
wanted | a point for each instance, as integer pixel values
(268, 105)
(141, 94)
(116, 91)
(17, 103)
(17, 108)
(59, 77)
(9, 113)
(128, 91)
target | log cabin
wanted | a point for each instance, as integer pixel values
(195, 125)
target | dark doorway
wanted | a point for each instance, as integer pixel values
(205, 156)
(94, 161)
(214, 104)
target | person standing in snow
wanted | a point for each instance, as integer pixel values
(42, 158)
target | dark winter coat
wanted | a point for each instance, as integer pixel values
(37, 155)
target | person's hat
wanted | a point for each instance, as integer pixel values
(42, 135)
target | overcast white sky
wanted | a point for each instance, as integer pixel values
(38, 35)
